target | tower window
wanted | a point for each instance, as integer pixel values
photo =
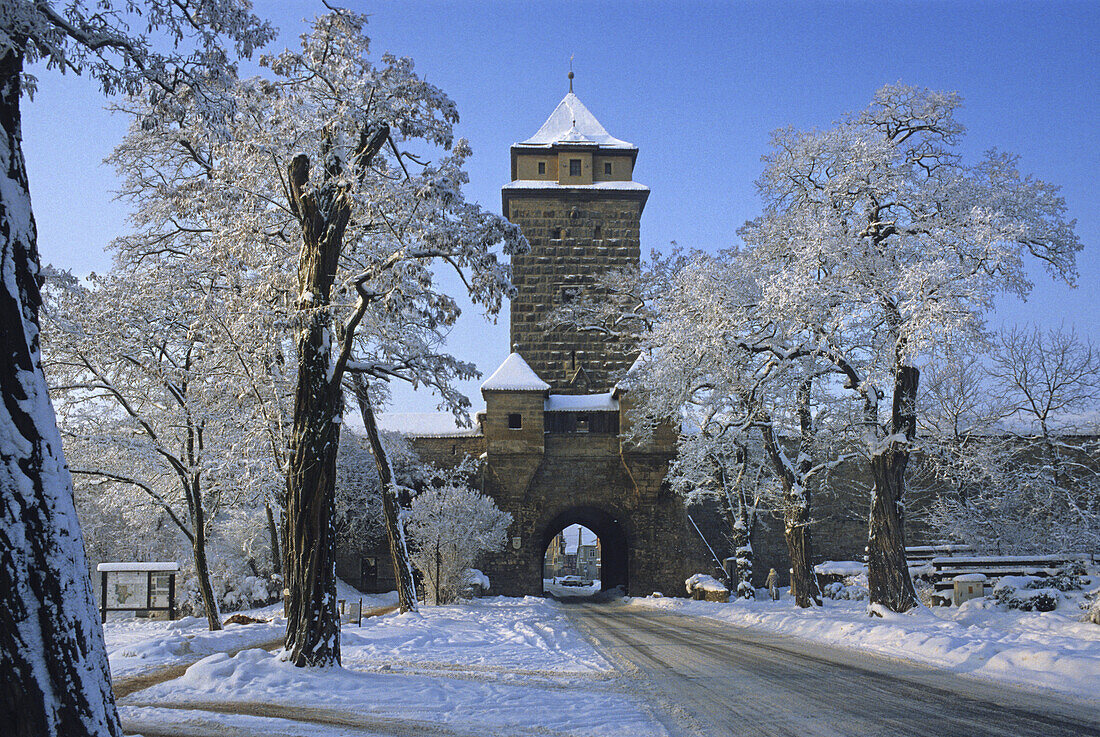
(515, 421)
(596, 231)
(542, 167)
(607, 167)
(574, 167)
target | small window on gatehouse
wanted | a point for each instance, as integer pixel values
(515, 421)
(607, 168)
(574, 167)
(542, 167)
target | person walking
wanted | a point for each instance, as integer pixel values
(773, 584)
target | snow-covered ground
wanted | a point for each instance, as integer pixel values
(506, 666)
(1054, 650)
(496, 666)
(138, 646)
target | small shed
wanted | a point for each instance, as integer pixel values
(140, 587)
(969, 586)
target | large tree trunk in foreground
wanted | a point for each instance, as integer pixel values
(313, 622)
(391, 507)
(888, 580)
(54, 677)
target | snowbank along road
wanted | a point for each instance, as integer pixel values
(704, 678)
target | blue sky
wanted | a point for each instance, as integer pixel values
(696, 86)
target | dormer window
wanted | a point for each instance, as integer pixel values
(574, 167)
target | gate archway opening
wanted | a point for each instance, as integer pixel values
(589, 547)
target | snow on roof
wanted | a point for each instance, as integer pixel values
(627, 382)
(553, 184)
(572, 123)
(581, 403)
(840, 568)
(514, 375)
(170, 565)
(424, 424)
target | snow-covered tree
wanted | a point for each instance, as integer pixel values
(358, 513)
(450, 525)
(1027, 479)
(747, 376)
(53, 659)
(878, 241)
(309, 210)
(145, 401)
(715, 461)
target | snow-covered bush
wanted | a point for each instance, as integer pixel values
(843, 591)
(250, 592)
(1091, 605)
(449, 526)
(477, 583)
(1069, 577)
(843, 579)
(1026, 593)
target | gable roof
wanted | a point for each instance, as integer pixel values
(571, 122)
(514, 375)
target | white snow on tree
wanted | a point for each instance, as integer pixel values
(450, 525)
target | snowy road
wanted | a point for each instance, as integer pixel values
(708, 679)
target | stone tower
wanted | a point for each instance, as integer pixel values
(574, 196)
(554, 440)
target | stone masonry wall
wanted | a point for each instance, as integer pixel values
(444, 452)
(572, 242)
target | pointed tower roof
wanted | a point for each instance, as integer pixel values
(516, 376)
(571, 122)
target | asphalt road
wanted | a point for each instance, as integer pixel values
(706, 678)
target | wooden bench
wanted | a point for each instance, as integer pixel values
(994, 567)
(919, 554)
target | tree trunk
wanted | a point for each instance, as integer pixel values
(796, 531)
(202, 572)
(313, 622)
(391, 508)
(740, 524)
(273, 535)
(796, 524)
(54, 676)
(888, 580)
(743, 529)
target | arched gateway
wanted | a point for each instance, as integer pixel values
(612, 534)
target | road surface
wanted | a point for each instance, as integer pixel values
(706, 678)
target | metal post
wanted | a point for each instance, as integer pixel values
(172, 596)
(103, 596)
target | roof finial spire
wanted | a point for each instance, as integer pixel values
(570, 73)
